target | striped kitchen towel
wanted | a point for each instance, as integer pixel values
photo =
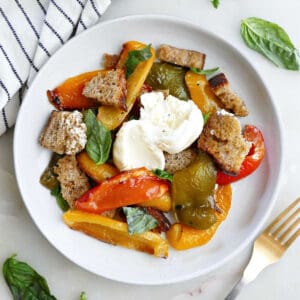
(30, 32)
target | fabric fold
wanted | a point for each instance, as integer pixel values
(30, 33)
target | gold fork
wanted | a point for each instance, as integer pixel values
(271, 245)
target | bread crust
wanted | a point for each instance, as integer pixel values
(178, 161)
(73, 182)
(223, 140)
(65, 132)
(231, 101)
(108, 88)
(181, 57)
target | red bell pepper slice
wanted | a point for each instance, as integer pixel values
(127, 188)
(252, 160)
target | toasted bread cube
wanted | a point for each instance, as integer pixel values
(65, 132)
(73, 182)
(231, 101)
(181, 57)
(178, 161)
(222, 139)
(110, 61)
(108, 88)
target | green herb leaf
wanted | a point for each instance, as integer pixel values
(135, 57)
(24, 282)
(272, 41)
(61, 202)
(215, 3)
(138, 220)
(163, 174)
(204, 72)
(205, 118)
(98, 138)
(83, 296)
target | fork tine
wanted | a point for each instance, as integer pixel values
(282, 215)
(292, 238)
(282, 237)
(277, 233)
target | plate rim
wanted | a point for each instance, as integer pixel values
(179, 21)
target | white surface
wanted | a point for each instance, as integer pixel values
(18, 234)
(243, 222)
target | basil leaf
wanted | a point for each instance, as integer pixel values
(135, 57)
(205, 118)
(24, 282)
(204, 72)
(61, 202)
(163, 174)
(272, 41)
(138, 220)
(83, 296)
(98, 138)
(215, 3)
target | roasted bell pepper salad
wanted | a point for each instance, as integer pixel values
(146, 139)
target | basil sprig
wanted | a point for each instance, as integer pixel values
(61, 202)
(215, 3)
(135, 57)
(138, 220)
(24, 282)
(98, 138)
(272, 41)
(163, 174)
(204, 72)
(205, 118)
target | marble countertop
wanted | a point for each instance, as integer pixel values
(19, 235)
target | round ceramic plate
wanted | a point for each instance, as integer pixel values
(252, 197)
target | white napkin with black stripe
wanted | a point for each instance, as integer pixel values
(30, 32)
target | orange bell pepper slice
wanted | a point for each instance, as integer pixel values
(182, 237)
(252, 160)
(68, 95)
(127, 188)
(201, 93)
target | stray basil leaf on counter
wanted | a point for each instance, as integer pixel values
(215, 3)
(135, 57)
(138, 220)
(98, 138)
(163, 174)
(272, 41)
(61, 202)
(83, 296)
(204, 72)
(24, 282)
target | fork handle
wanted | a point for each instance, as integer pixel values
(257, 263)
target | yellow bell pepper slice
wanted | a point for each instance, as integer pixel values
(112, 117)
(115, 232)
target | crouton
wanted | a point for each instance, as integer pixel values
(65, 132)
(73, 182)
(178, 161)
(181, 57)
(231, 101)
(222, 139)
(110, 61)
(108, 88)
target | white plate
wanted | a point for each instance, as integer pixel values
(252, 197)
